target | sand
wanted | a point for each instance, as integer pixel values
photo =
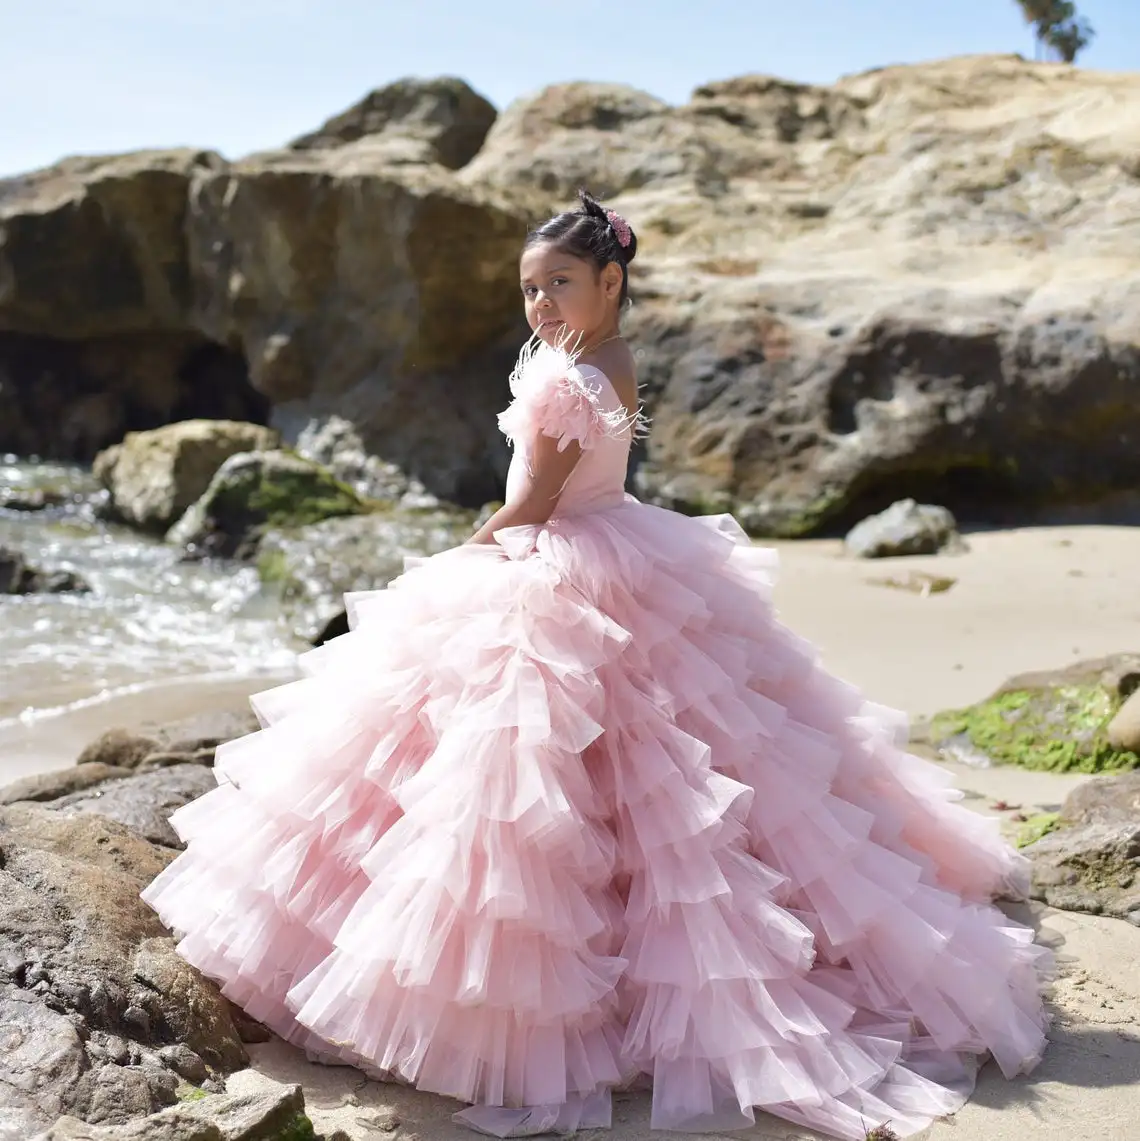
(1022, 600)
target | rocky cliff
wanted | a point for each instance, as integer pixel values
(919, 281)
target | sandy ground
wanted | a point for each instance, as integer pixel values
(1022, 600)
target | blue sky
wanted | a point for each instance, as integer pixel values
(92, 76)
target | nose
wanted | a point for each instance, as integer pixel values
(541, 301)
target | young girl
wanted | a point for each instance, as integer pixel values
(568, 809)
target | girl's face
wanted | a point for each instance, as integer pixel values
(567, 297)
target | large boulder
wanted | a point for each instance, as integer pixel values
(340, 278)
(154, 476)
(145, 288)
(411, 121)
(254, 491)
(96, 328)
(91, 988)
(919, 282)
(1056, 720)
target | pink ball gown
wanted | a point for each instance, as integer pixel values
(573, 811)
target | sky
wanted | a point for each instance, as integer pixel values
(101, 76)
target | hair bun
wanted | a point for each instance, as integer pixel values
(592, 208)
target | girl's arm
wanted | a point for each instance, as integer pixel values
(533, 505)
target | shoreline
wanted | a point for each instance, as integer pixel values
(1024, 599)
(55, 739)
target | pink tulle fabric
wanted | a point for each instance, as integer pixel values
(574, 811)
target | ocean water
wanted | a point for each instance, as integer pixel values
(151, 625)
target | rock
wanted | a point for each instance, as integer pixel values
(249, 1029)
(315, 567)
(97, 311)
(811, 343)
(119, 748)
(905, 528)
(336, 445)
(1124, 729)
(31, 500)
(1053, 720)
(412, 121)
(153, 477)
(336, 273)
(178, 1123)
(155, 287)
(201, 733)
(257, 1108)
(1091, 862)
(18, 577)
(259, 490)
(1105, 800)
(143, 801)
(61, 782)
(41, 1060)
(89, 965)
(183, 1061)
(271, 1112)
(917, 282)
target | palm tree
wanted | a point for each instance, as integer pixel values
(1057, 28)
(1071, 38)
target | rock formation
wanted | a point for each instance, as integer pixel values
(154, 477)
(918, 282)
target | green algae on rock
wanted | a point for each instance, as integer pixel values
(1047, 721)
(1038, 826)
(252, 492)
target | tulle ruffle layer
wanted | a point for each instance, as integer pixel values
(575, 810)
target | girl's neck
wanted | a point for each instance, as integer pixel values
(608, 332)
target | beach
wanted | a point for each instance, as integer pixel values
(1021, 600)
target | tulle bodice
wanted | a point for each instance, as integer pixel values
(576, 403)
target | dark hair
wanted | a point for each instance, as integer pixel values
(586, 233)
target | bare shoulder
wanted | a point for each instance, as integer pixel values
(615, 359)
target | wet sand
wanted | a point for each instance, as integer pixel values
(55, 740)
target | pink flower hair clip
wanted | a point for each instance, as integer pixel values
(620, 228)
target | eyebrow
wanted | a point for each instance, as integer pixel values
(553, 269)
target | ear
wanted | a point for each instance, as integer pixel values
(611, 279)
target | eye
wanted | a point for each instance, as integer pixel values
(528, 290)
(558, 280)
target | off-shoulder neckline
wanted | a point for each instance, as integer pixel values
(613, 388)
